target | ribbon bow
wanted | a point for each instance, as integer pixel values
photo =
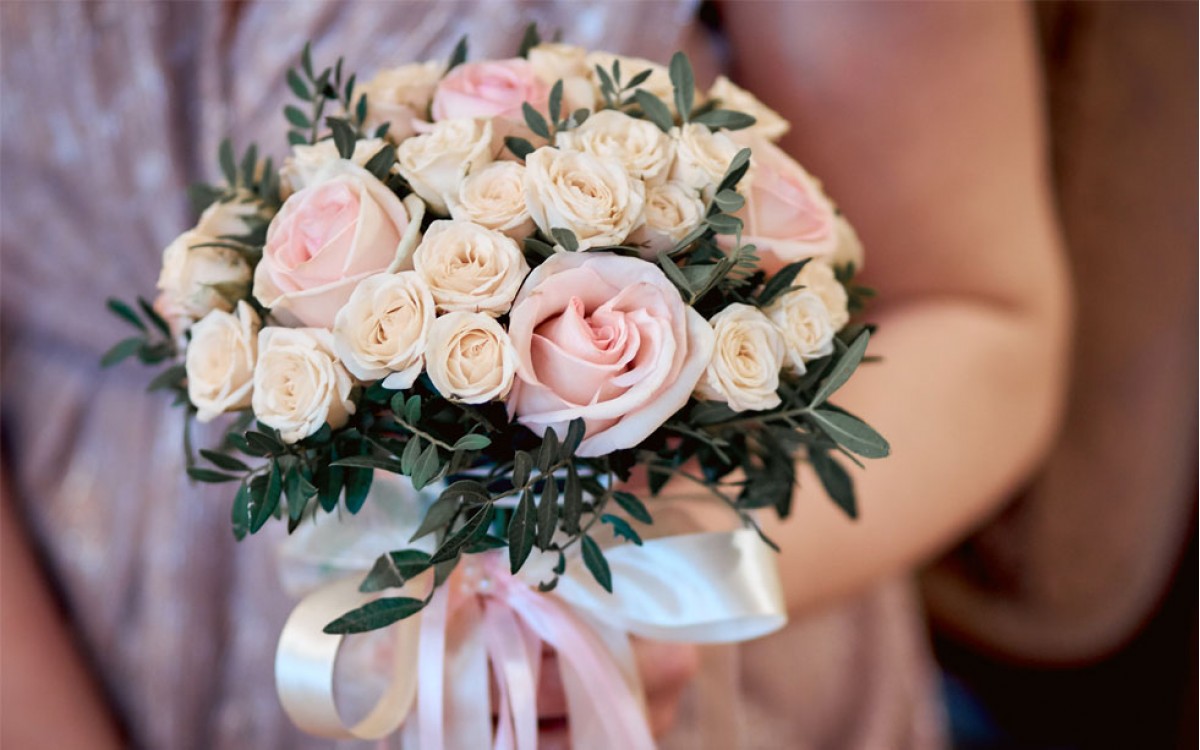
(718, 587)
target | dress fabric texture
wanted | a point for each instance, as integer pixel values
(109, 112)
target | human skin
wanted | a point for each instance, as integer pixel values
(924, 122)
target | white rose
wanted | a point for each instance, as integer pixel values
(198, 277)
(382, 330)
(672, 210)
(592, 196)
(642, 149)
(470, 358)
(701, 158)
(299, 385)
(399, 97)
(807, 329)
(306, 163)
(769, 124)
(470, 268)
(849, 246)
(494, 197)
(220, 361)
(553, 62)
(818, 277)
(744, 370)
(233, 218)
(435, 163)
(659, 82)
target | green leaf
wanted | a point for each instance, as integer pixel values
(296, 84)
(548, 452)
(736, 170)
(547, 516)
(459, 56)
(209, 476)
(593, 558)
(475, 525)
(225, 157)
(520, 147)
(851, 433)
(329, 485)
(426, 467)
(575, 432)
(343, 136)
(727, 119)
(838, 484)
(296, 117)
(412, 410)
(472, 442)
(263, 444)
(223, 461)
(522, 466)
(572, 509)
(780, 283)
(467, 491)
(606, 84)
(381, 163)
(654, 109)
(306, 60)
(621, 528)
(240, 512)
(126, 313)
(439, 514)
(535, 121)
(358, 484)
(729, 201)
(299, 491)
(530, 40)
(638, 79)
(633, 506)
(844, 368)
(724, 223)
(537, 247)
(521, 531)
(168, 378)
(674, 274)
(375, 615)
(122, 350)
(249, 164)
(370, 462)
(266, 504)
(394, 569)
(684, 83)
(556, 94)
(408, 459)
(565, 238)
(296, 138)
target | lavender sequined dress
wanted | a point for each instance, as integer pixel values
(109, 110)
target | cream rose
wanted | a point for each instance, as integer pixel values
(329, 236)
(493, 197)
(744, 371)
(231, 218)
(553, 62)
(608, 339)
(437, 162)
(470, 268)
(593, 196)
(307, 161)
(381, 332)
(818, 277)
(807, 330)
(470, 358)
(642, 149)
(787, 216)
(494, 88)
(768, 124)
(672, 210)
(849, 246)
(198, 277)
(400, 97)
(701, 158)
(299, 385)
(220, 361)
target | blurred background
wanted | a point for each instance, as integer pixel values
(1070, 619)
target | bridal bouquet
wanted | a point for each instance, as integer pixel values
(518, 283)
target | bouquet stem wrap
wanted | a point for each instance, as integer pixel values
(718, 587)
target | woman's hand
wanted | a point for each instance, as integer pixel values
(666, 670)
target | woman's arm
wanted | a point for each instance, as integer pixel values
(924, 123)
(47, 698)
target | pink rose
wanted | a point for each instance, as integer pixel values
(343, 227)
(496, 88)
(606, 338)
(787, 216)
